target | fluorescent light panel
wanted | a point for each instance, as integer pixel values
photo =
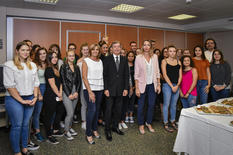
(126, 8)
(182, 17)
(43, 1)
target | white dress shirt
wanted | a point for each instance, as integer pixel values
(208, 55)
(117, 56)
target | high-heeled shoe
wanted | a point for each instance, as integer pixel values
(90, 142)
(150, 128)
(141, 129)
(97, 136)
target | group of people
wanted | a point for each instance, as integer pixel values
(108, 81)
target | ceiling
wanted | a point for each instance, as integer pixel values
(154, 11)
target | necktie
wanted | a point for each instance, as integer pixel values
(117, 63)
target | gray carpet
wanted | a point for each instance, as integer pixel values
(132, 143)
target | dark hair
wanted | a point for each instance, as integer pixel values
(162, 53)
(133, 55)
(208, 39)
(202, 51)
(49, 57)
(49, 63)
(101, 43)
(221, 59)
(34, 47)
(132, 42)
(58, 49)
(72, 44)
(37, 56)
(182, 61)
(157, 50)
(151, 41)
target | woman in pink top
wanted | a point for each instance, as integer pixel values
(188, 90)
(147, 83)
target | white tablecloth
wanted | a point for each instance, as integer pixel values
(204, 134)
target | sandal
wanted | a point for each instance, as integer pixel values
(96, 135)
(167, 128)
(141, 130)
(150, 128)
(174, 125)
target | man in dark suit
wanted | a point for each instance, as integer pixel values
(116, 84)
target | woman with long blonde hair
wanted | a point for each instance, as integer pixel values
(22, 83)
(147, 83)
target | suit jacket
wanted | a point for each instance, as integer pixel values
(116, 81)
(140, 71)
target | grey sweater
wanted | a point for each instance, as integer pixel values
(220, 74)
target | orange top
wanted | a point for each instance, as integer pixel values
(201, 66)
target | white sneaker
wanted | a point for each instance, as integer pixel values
(72, 132)
(68, 136)
(62, 124)
(126, 119)
(131, 120)
(119, 126)
(124, 125)
(84, 126)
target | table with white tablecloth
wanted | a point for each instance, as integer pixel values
(204, 134)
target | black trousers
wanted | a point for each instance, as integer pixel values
(51, 108)
(113, 112)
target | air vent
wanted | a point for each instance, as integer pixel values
(52, 2)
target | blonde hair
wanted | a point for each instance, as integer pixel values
(16, 59)
(67, 54)
(151, 53)
(92, 47)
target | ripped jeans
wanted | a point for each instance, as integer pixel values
(189, 102)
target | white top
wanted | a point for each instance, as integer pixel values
(208, 55)
(149, 72)
(23, 80)
(94, 74)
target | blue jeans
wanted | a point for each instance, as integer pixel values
(201, 84)
(150, 92)
(169, 99)
(37, 109)
(219, 94)
(189, 102)
(19, 115)
(92, 111)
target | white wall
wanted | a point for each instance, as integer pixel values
(224, 42)
(3, 34)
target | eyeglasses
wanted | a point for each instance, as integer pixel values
(72, 48)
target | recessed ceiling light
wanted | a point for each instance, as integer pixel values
(126, 8)
(43, 1)
(181, 17)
